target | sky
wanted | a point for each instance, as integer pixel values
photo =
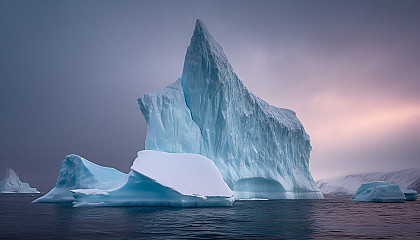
(71, 73)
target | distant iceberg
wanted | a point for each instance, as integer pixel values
(77, 172)
(12, 184)
(262, 151)
(164, 179)
(406, 179)
(410, 195)
(379, 192)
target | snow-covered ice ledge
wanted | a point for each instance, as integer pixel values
(156, 179)
(164, 179)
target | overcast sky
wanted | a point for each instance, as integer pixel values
(71, 73)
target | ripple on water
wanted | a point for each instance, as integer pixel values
(331, 218)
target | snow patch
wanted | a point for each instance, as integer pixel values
(187, 173)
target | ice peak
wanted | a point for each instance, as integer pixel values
(204, 49)
(11, 174)
(12, 178)
(201, 32)
(198, 22)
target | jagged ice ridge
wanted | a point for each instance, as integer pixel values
(261, 151)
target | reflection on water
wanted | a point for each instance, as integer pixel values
(294, 219)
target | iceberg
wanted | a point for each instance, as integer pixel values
(347, 185)
(379, 192)
(79, 173)
(164, 179)
(261, 151)
(12, 184)
(410, 195)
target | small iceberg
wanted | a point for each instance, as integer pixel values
(156, 179)
(12, 184)
(379, 192)
(410, 195)
(164, 179)
(79, 173)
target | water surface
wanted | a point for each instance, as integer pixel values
(332, 218)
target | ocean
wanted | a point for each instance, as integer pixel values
(331, 218)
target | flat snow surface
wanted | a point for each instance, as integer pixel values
(186, 173)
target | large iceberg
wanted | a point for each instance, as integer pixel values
(164, 179)
(379, 192)
(79, 173)
(12, 184)
(262, 151)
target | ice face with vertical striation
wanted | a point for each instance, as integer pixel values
(262, 151)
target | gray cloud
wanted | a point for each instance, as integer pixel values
(71, 72)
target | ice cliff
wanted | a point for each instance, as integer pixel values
(260, 150)
(12, 184)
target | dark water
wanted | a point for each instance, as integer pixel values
(331, 218)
